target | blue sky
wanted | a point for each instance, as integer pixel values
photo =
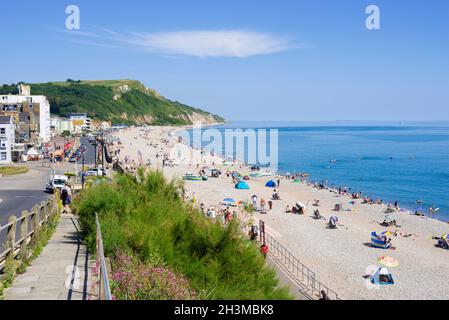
(246, 60)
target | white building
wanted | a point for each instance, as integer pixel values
(80, 122)
(7, 139)
(44, 133)
(61, 124)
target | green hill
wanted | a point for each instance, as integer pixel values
(119, 101)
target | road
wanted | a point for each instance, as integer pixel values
(18, 193)
(89, 154)
(22, 192)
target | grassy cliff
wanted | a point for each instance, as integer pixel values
(119, 101)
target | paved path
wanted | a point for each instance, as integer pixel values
(51, 276)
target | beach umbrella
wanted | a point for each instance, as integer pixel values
(270, 184)
(388, 261)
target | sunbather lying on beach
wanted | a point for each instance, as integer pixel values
(404, 234)
(389, 223)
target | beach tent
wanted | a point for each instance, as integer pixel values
(382, 277)
(270, 184)
(242, 185)
(378, 241)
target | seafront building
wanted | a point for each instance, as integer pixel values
(31, 114)
(7, 139)
(81, 122)
(59, 125)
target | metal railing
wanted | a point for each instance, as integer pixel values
(104, 290)
(20, 231)
(300, 272)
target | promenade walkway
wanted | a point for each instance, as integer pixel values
(62, 270)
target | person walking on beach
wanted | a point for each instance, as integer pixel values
(262, 204)
(279, 182)
(254, 199)
(270, 205)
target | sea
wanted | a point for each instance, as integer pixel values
(394, 161)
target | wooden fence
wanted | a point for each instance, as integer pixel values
(20, 231)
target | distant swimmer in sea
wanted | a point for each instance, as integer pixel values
(418, 201)
(432, 209)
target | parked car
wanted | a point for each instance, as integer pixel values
(95, 172)
(57, 182)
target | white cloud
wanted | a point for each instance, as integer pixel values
(233, 43)
(204, 43)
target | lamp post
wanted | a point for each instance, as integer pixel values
(102, 152)
(95, 153)
(82, 174)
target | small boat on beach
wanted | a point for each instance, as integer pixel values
(191, 177)
(262, 173)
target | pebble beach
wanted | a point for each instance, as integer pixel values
(339, 257)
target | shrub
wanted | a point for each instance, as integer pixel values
(249, 207)
(134, 280)
(144, 215)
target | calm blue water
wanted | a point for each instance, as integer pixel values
(389, 161)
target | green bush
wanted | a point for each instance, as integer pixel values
(146, 216)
